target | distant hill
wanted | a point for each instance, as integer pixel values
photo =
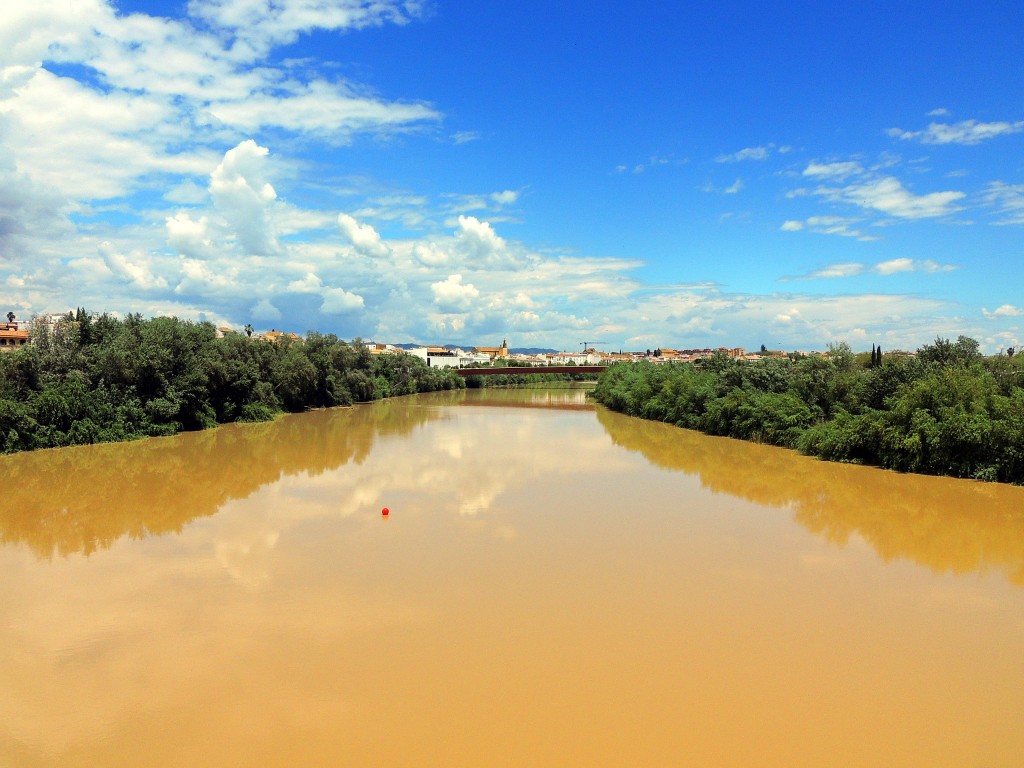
(513, 350)
(411, 345)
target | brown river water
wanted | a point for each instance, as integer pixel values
(555, 585)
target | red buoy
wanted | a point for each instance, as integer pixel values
(385, 511)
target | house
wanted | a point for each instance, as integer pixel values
(437, 357)
(616, 357)
(278, 336)
(381, 349)
(445, 357)
(47, 325)
(12, 337)
(565, 358)
(494, 353)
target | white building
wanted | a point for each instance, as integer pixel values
(441, 357)
(576, 358)
(48, 323)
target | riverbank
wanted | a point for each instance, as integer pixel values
(944, 410)
(104, 379)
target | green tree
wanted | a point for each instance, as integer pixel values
(945, 411)
(294, 378)
(944, 352)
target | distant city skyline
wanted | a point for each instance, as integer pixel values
(719, 174)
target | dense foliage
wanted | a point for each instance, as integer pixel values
(520, 380)
(946, 410)
(99, 379)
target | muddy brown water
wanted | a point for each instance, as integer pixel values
(555, 585)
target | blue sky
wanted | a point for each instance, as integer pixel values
(651, 174)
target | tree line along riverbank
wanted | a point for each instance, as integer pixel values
(523, 380)
(946, 410)
(104, 379)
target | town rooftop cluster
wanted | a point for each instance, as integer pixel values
(14, 334)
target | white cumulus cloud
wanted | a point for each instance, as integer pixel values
(242, 196)
(481, 244)
(892, 266)
(1006, 310)
(338, 301)
(430, 255)
(308, 283)
(200, 278)
(135, 269)
(264, 310)
(27, 212)
(452, 295)
(189, 237)
(363, 237)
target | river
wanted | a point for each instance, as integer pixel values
(555, 585)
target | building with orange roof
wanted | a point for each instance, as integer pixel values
(495, 353)
(278, 336)
(12, 337)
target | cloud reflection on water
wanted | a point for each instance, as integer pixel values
(341, 462)
(283, 608)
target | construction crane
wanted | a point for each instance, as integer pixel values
(586, 344)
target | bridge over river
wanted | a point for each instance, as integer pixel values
(527, 370)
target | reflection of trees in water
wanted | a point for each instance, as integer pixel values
(572, 396)
(949, 525)
(69, 500)
(549, 399)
